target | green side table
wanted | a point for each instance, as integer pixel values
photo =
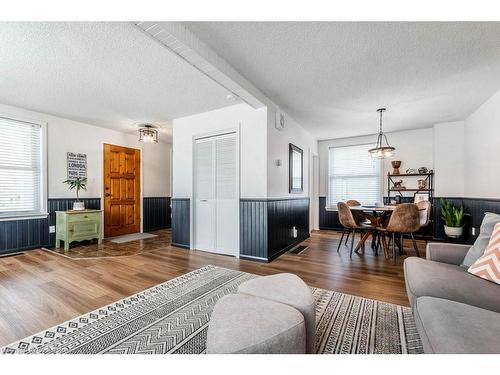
(78, 226)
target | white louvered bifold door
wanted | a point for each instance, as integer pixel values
(227, 197)
(204, 175)
(20, 168)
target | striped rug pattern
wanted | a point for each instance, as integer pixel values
(173, 317)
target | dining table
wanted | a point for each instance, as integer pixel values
(378, 215)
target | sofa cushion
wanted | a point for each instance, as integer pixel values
(477, 250)
(488, 266)
(452, 327)
(441, 280)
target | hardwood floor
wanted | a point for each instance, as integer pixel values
(40, 288)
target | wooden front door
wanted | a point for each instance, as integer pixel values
(122, 190)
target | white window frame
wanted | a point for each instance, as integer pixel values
(9, 216)
(329, 207)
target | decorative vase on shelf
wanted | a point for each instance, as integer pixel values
(422, 184)
(396, 164)
(453, 232)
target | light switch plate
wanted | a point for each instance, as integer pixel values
(473, 231)
(52, 229)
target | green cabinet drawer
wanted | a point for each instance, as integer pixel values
(94, 216)
(83, 229)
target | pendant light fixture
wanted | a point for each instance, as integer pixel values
(148, 134)
(382, 149)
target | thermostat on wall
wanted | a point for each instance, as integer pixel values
(279, 121)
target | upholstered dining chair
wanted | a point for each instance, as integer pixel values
(358, 216)
(350, 224)
(404, 220)
(424, 208)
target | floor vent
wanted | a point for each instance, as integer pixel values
(11, 255)
(298, 249)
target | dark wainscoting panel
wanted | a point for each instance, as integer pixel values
(253, 228)
(181, 231)
(476, 207)
(282, 216)
(328, 219)
(156, 213)
(17, 235)
(266, 226)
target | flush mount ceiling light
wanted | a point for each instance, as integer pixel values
(148, 133)
(382, 149)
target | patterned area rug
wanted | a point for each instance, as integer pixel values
(173, 317)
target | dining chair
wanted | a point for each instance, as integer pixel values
(404, 220)
(350, 224)
(358, 216)
(424, 208)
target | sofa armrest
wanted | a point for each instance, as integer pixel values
(447, 252)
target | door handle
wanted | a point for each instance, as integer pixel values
(203, 200)
(107, 195)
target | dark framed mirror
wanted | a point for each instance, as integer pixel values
(296, 169)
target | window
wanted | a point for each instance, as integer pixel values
(353, 174)
(22, 169)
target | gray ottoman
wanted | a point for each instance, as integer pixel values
(291, 290)
(247, 324)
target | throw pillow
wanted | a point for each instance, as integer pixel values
(488, 266)
(477, 250)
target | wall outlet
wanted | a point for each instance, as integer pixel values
(52, 229)
(473, 231)
(294, 232)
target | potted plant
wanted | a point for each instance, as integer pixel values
(77, 184)
(453, 218)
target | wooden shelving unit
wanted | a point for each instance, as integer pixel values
(429, 190)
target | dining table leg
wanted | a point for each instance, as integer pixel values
(363, 240)
(385, 245)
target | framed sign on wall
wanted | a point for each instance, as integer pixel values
(77, 165)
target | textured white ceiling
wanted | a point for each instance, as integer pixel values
(331, 77)
(107, 74)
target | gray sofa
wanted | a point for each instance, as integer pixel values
(455, 312)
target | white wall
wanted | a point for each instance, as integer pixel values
(65, 135)
(253, 133)
(482, 150)
(413, 147)
(277, 149)
(449, 159)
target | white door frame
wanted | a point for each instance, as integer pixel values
(235, 130)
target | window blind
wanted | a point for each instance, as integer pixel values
(353, 174)
(20, 168)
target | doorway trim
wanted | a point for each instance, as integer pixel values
(192, 213)
(141, 178)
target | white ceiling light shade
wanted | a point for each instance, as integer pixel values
(148, 134)
(382, 149)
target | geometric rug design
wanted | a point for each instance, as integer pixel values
(172, 317)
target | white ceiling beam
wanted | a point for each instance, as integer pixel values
(181, 41)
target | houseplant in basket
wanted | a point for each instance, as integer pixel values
(77, 184)
(453, 217)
